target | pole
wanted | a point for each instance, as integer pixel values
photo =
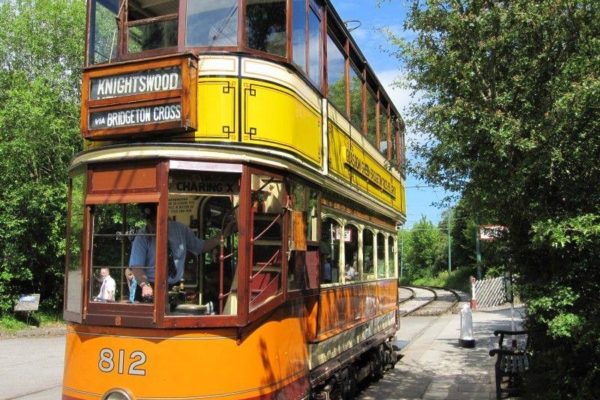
(478, 252)
(449, 242)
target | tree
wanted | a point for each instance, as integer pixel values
(41, 54)
(424, 249)
(510, 121)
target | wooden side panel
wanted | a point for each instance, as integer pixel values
(130, 178)
(340, 308)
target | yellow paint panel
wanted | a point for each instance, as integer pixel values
(275, 116)
(338, 141)
(217, 109)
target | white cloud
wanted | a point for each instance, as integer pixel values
(400, 96)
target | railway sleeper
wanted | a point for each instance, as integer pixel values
(372, 364)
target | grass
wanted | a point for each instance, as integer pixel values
(457, 279)
(11, 323)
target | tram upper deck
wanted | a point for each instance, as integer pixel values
(278, 80)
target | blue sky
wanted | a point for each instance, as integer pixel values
(390, 14)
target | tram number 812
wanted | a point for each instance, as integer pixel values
(106, 363)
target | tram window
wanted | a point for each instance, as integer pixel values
(336, 81)
(103, 31)
(352, 269)
(116, 227)
(212, 23)
(205, 204)
(266, 26)
(371, 117)
(73, 301)
(314, 48)
(381, 261)
(299, 33)
(331, 241)
(383, 129)
(151, 25)
(395, 138)
(368, 256)
(356, 114)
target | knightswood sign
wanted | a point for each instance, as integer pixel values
(149, 81)
(137, 83)
(154, 98)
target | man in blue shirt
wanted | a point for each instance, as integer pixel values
(180, 238)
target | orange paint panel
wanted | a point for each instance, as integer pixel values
(183, 364)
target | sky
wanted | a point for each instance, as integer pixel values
(420, 198)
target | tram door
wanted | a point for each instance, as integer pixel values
(206, 203)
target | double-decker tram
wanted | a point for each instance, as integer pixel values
(232, 218)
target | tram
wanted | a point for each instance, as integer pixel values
(257, 131)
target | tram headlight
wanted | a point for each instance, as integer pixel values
(117, 394)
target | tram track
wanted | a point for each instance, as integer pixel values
(426, 301)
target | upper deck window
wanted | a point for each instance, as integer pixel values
(356, 98)
(299, 34)
(307, 39)
(103, 31)
(141, 25)
(212, 23)
(371, 116)
(151, 24)
(266, 26)
(314, 47)
(336, 75)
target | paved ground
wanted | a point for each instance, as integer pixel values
(434, 366)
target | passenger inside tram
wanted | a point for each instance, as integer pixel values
(181, 240)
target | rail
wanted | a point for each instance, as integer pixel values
(428, 301)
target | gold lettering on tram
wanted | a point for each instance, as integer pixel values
(357, 163)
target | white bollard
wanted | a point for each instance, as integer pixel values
(466, 327)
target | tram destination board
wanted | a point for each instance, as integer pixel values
(151, 98)
(155, 114)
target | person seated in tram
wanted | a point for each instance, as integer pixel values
(351, 270)
(181, 239)
(108, 287)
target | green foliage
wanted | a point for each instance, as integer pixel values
(458, 279)
(510, 120)
(10, 323)
(41, 54)
(424, 248)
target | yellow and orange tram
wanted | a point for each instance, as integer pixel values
(232, 219)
